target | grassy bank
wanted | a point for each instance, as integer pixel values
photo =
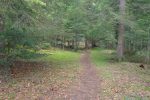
(121, 81)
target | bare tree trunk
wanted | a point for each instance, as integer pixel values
(120, 47)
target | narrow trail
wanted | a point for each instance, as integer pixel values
(88, 86)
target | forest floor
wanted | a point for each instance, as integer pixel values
(121, 80)
(66, 75)
(45, 77)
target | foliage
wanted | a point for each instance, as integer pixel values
(40, 24)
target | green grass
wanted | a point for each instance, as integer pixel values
(147, 88)
(101, 57)
(53, 56)
(59, 55)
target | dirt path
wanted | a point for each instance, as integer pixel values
(87, 88)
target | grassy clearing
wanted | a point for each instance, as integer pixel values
(121, 81)
(47, 76)
(58, 56)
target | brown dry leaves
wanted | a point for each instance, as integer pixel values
(122, 84)
(39, 81)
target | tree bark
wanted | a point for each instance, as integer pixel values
(120, 47)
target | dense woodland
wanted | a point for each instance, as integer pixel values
(75, 24)
(74, 49)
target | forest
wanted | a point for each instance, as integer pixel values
(74, 49)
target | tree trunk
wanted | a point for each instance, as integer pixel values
(1, 30)
(55, 41)
(76, 42)
(86, 44)
(1, 24)
(63, 42)
(120, 47)
(148, 53)
(93, 43)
